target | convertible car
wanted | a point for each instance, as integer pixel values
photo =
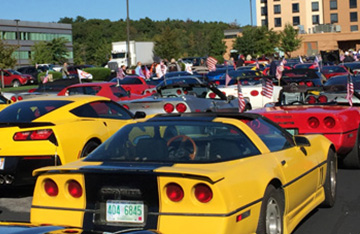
(52, 131)
(192, 173)
(317, 110)
(185, 97)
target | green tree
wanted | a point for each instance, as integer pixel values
(7, 60)
(167, 45)
(54, 51)
(217, 46)
(289, 40)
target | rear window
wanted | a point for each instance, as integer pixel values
(27, 111)
(170, 141)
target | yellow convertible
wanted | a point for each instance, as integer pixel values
(192, 173)
(53, 131)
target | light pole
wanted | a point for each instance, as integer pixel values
(18, 39)
(251, 18)
(128, 34)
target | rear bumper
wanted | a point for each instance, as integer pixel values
(17, 170)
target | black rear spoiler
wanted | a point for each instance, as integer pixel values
(25, 124)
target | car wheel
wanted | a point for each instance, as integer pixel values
(330, 181)
(15, 83)
(352, 159)
(272, 212)
(88, 148)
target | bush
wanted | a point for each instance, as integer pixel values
(99, 73)
(55, 75)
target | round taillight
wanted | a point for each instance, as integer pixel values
(203, 193)
(313, 122)
(51, 188)
(19, 98)
(254, 93)
(217, 82)
(13, 99)
(154, 91)
(212, 95)
(74, 188)
(301, 83)
(322, 99)
(311, 100)
(174, 192)
(126, 107)
(181, 107)
(329, 122)
(186, 92)
(168, 108)
(147, 92)
(178, 92)
(309, 84)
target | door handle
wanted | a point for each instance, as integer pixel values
(283, 162)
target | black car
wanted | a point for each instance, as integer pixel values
(32, 70)
(308, 77)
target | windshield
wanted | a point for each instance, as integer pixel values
(180, 141)
(118, 55)
(14, 72)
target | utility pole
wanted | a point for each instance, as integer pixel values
(128, 34)
(251, 18)
(18, 39)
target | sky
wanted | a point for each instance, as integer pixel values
(227, 11)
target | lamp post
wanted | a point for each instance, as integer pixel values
(251, 18)
(128, 34)
(18, 39)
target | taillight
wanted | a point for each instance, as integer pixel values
(13, 99)
(181, 107)
(42, 134)
(313, 122)
(51, 188)
(74, 188)
(217, 82)
(178, 92)
(147, 92)
(329, 122)
(19, 98)
(154, 91)
(174, 192)
(203, 193)
(168, 108)
(322, 99)
(311, 100)
(301, 83)
(254, 93)
(309, 84)
(126, 107)
(212, 95)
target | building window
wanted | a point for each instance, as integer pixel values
(263, 10)
(353, 17)
(334, 18)
(315, 6)
(277, 9)
(263, 1)
(354, 28)
(277, 22)
(264, 22)
(353, 3)
(333, 4)
(295, 7)
(315, 19)
(296, 20)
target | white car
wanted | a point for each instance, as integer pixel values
(252, 93)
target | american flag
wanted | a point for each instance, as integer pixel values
(211, 62)
(267, 88)
(46, 78)
(279, 70)
(227, 79)
(257, 64)
(147, 73)
(316, 62)
(240, 98)
(300, 59)
(350, 90)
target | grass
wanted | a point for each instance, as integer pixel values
(18, 89)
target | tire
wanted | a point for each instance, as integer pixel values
(330, 181)
(16, 83)
(88, 148)
(271, 220)
(352, 159)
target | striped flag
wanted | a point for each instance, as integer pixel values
(257, 64)
(316, 62)
(241, 99)
(268, 88)
(350, 90)
(227, 79)
(46, 78)
(147, 73)
(279, 70)
(211, 63)
(300, 59)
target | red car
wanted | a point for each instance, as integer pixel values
(107, 89)
(330, 71)
(306, 111)
(134, 84)
(15, 79)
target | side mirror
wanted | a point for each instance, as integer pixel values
(139, 115)
(301, 141)
(231, 97)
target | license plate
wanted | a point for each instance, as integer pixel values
(125, 211)
(2, 163)
(293, 131)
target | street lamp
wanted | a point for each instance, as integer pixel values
(251, 18)
(128, 33)
(18, 38)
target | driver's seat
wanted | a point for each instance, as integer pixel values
(151, 149)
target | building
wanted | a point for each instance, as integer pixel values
(25, 34)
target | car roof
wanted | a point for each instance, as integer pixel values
(73, 98)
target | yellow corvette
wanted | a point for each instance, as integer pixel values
(53, 131)
(191, 173)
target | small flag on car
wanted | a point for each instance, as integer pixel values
(241, 99)
(211, 63)
(227, 79)
(84, 75)
(350, 90)
(267, 88)
(46, 78)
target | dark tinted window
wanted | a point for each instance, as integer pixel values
(27, 111)
(101, 109)
(127, 80)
